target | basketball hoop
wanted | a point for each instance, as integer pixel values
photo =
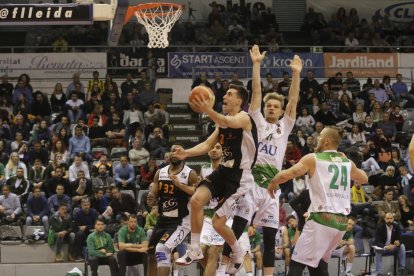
(158, 19)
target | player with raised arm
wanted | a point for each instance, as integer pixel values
(173, 187)
(273, 134)
(330, 174)
(236, 133)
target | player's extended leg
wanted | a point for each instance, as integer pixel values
(213, 254)
(152, 265)
(231, 245)
(269, 242)
(200, 198)
(163, 255)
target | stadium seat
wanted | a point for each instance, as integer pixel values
(129, 192)
(98, 152)
(140, 193)
(368, 189)
(17, 237)
(117, 152)
(29, 231)
(288, 208)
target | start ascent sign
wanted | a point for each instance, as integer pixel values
(46, 14)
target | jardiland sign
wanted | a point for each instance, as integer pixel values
(46, 14)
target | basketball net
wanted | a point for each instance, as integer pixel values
(158, 19)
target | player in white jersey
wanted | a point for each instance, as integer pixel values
(273, 135)
(330, 175)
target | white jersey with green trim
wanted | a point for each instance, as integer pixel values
(329, 186)
(273, 139)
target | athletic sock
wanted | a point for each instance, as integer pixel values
(175, 272)
(348, 267)
(259, 272)
(249, 273)
(195, 241)
(235, 247)
(221, 270)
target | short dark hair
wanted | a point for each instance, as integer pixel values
(114, 187)
(242, 92)
(386, 191)
(100, 219)
(132, 216)
(290, 217)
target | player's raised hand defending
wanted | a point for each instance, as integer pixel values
(179, 153)
(296, 64)
(255, 54)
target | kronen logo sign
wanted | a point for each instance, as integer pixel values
(361, 64)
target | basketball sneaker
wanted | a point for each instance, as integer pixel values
(236, 262)
(190, 256)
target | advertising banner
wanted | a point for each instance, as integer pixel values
(52, 65)
(50, 14)
(361, 64)
(406, 64)
(133, 61)
(398, 11)
(277, 63)
(181, 65)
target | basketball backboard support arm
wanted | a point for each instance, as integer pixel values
(121, 7)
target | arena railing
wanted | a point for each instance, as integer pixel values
(198, 48)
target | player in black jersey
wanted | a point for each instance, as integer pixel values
(236, 132)
(173, 186)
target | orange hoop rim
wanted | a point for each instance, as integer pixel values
(132, 10)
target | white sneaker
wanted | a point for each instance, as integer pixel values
(190, 256)
(236, 262)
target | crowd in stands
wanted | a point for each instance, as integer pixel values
(55, 170)
(74, 145)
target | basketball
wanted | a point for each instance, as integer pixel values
(202, 92)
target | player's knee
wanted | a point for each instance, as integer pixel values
(163, 255)
(197, 201)
(218, 223)
(213, 253)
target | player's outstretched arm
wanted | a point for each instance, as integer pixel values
(257, 58)
(240, 120)
(296, 67)
(411, 152)
(303, 166)
(358, 175)
(199, 149)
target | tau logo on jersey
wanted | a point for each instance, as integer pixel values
(267, 149)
